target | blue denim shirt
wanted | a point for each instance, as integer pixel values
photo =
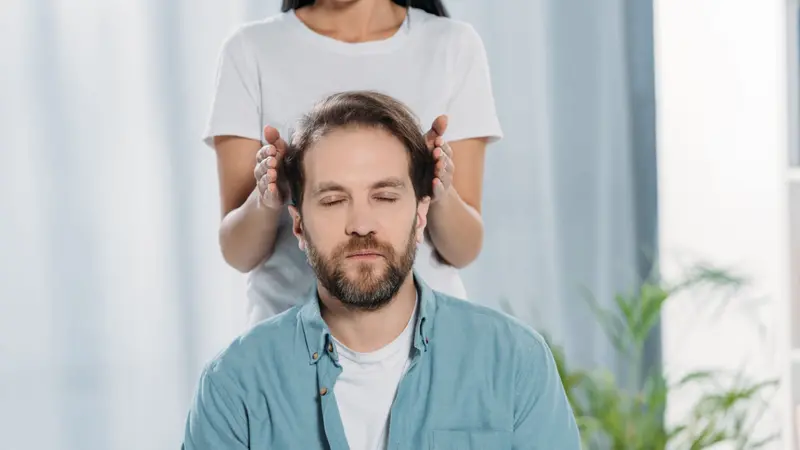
(478, 380)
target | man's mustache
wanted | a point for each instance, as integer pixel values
(365, 243)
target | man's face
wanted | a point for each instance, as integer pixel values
(360, 221)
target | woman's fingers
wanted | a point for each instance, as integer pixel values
(272, 175)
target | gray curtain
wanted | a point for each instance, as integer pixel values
(570, 197)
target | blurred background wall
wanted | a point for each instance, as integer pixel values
(724, 97)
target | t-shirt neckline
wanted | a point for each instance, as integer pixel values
(353, 48)
(402, 342)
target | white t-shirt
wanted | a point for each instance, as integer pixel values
(366, 388)
(275, 70)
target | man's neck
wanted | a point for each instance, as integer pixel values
(367, 331)
(361, 21)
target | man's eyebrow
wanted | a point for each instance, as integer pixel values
(328, 186)
(395, 183)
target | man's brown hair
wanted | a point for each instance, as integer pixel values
(358, 109)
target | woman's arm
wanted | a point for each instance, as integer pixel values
(248, 228)
(454, 220)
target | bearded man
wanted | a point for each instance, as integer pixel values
(374, 359)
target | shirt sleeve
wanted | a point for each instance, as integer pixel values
(471, 110)
(216, 419)
(236, 104)
(543, 417)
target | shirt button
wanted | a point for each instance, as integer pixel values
(330, 347)
(323, 391)
(315, 355)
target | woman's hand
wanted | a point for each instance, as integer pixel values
(266, 171)
(443, 155)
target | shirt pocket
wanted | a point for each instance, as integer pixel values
(470, 440)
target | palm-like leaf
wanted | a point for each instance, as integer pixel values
(610, 416)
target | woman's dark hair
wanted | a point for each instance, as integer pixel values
(435, 7)
(358, 109)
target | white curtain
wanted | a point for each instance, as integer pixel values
(112, 289)
(113, 292)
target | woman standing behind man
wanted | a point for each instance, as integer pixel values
(272, 71)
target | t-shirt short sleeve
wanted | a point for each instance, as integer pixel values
(236, 105)
(471, 110)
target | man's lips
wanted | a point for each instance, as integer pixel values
(365, 254)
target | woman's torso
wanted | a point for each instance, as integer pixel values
(297, 68)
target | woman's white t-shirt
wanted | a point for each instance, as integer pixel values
(273, 71)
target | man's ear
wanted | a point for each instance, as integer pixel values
(422, 218)
(297, 227)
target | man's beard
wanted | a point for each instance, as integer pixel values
(375, 286)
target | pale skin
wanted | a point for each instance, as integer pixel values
(357, 183)
(250, 210)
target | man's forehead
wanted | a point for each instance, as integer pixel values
(357, 154)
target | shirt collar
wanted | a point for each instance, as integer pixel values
(318, 336)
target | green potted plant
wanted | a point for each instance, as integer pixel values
(623, 418)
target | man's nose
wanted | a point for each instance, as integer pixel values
(361, 219)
